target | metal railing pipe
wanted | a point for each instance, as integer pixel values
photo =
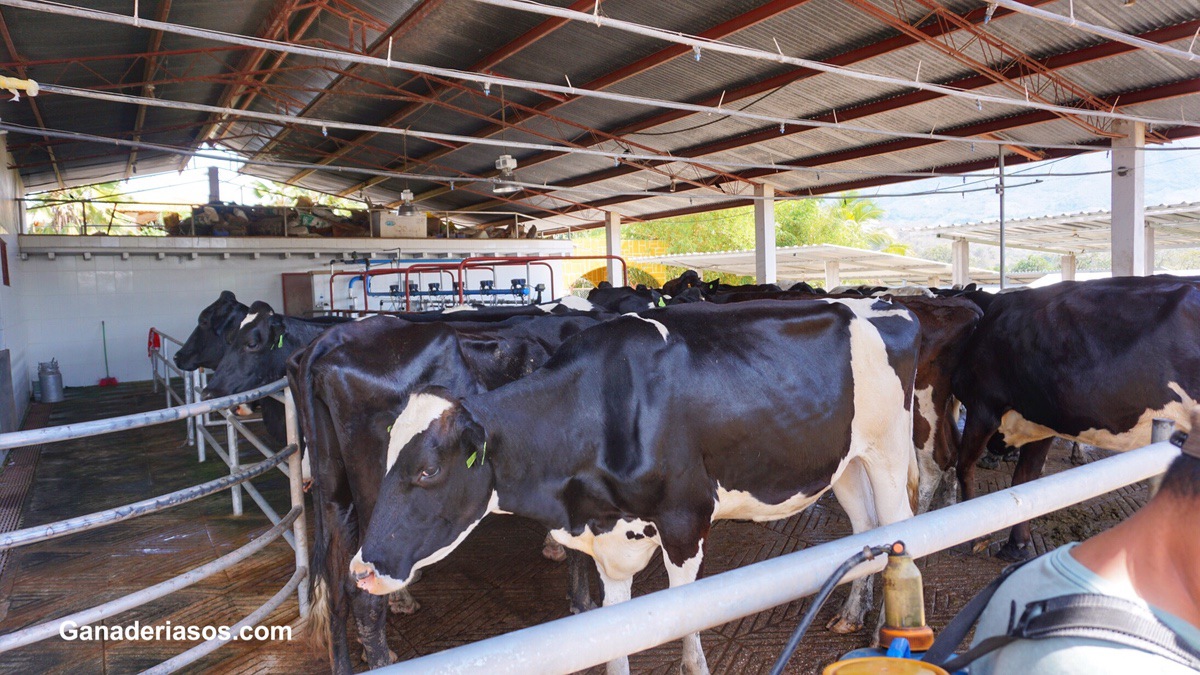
(579, 642)
(39, 632)
(17, 439)
(251, 437)
(37, 533)
(296, 483)
(253, 619)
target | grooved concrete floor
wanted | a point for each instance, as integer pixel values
(495, 583)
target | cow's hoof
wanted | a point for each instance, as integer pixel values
(841, 626)
(402, 602)
(988, 461)
(392, 657)
(307, 485)
(981, 544)
(554, 551)
(1078, 456)
(1012, 456)
(1012, 552)
(587, 606)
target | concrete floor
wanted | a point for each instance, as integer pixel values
(496, 582)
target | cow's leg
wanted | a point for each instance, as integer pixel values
(615, 591)
(693, 662)
(1029, 467)
(370, 615)
(579, 585)
(981, 424)
(854, 494)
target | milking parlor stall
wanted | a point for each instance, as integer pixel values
(322, 348)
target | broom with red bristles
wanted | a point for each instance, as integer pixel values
(108, 380)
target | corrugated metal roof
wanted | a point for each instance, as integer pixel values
(461, 33)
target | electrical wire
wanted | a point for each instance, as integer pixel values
(486, 80)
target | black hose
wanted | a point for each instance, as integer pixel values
(868, 553)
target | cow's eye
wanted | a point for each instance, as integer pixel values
(251, 345)
(428, 473)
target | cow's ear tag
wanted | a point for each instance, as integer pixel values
(481, 456)
(278, 343)
(662, 303)
(389, 429)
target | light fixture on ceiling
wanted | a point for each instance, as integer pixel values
(505, 164)
(407, 208)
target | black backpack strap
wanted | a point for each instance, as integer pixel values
(1089, 616)
(956, 631)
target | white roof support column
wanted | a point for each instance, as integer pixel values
(1128, 206)
(1068, 267)
(833, 274)
(960, 262)
(764, 234)
(612, 238)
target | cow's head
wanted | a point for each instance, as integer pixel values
(439, 485)
(208, 341)
(255, 354)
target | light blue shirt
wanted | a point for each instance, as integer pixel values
(1059, 573)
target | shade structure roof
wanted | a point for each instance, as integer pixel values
(946, 42)
(804, 263)
(1174, 225)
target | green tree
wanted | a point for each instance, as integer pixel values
(279, 194)
(79, 210)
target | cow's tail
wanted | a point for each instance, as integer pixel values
(317, 628)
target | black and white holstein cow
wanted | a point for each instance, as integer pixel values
(1092, 361)
(352, 383)
(642, 431)
(207, 344)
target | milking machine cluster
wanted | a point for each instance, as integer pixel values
(903, 633)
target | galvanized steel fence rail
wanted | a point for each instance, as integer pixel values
(585, 640)
(290, 526)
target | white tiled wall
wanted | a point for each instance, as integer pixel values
(12, 326)
(65, 299)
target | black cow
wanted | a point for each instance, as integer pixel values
(945, 324)
(351, 383)
(1091, 361)
(625, 299)
(641, 431)
(207, 344)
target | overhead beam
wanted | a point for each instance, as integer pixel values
(155, 44)
(398, 30)
(764, 134)
(488, 62)
(741, 22)
(23, 73)
(1148, 95)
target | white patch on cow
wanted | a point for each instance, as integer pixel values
(866, 309)
(662, 330)
(741, 505)
(617, 555)
(919, 291)
(1018, 431)
(421, 411)
(576, 303)
(382, 584)
(305, 468)
(931, 475)
(460, 308)
(548, 307)
(364, 317)
(249, 318)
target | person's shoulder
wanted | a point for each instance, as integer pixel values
(1075, 656)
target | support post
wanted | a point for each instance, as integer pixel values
(612, 237)
(235, 492)
(960, 263)
(189, 396)
(1000, 193)
(833, 274)
(1068, 267)
(764, 234)
(214, 186)
(1149, 231)
(296, 479)
(1128, 206)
